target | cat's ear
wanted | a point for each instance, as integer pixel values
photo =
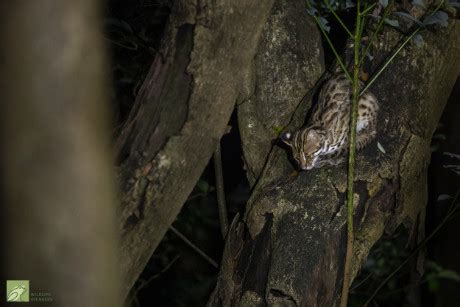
(286, 138)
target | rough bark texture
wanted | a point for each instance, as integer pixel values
(287, 65)
(180, 114)
(288, 249)
(58, 206)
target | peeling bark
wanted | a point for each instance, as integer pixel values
(289, 248)
(180, 114)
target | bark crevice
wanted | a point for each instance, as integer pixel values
(179, 115)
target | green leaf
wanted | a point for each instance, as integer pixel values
(349, 4)
(420, 3)
(324, 23)
(439, 136)
(369, 56)
(434, 147)
(277, 130)
(380, 147)
(444, 197)
(432, 265)
(384, 3)
(454, 3)
(449, 275)
(451, 155)
(202, 186)
(439, 18)
(410, 17)
(433, 285)
(392, 22)
(418, 40)
(312, 11)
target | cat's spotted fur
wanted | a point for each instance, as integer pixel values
(325, 139)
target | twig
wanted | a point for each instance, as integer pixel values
(222, 207)
(386, 12)
(351, 159)
(361, 282)
(338, 18)
(367, 9)
(144, 283)
(201, 194)
(337, 56)
(390, 59)
(194, 247)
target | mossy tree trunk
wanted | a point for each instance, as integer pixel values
(180, 113)
(289, 247)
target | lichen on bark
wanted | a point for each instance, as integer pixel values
(301, 218)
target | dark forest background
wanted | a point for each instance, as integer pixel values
(177, 275)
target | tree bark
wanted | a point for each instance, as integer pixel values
(180, 114)
(288, 249)
(58, 205)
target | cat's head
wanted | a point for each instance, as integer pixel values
(305, 145)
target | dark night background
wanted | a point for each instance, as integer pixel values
(178, 276)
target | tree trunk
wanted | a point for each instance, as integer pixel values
(289, 248)
(58, 205)
(180, 114)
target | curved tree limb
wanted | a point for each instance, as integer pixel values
(180, 114)
(289, 247)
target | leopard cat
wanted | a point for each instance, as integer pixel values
(324, 140)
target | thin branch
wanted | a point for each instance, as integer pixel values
(194, 247)
(200, 194)
(144, 283)
(338, 18)
(351, 159)
(361, 29)
(361, 282)
(337, 56)
(390, 59)
(386, 12)
(366, 10)
(222, 207)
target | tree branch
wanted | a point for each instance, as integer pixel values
(304, 217)
(180, 114)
